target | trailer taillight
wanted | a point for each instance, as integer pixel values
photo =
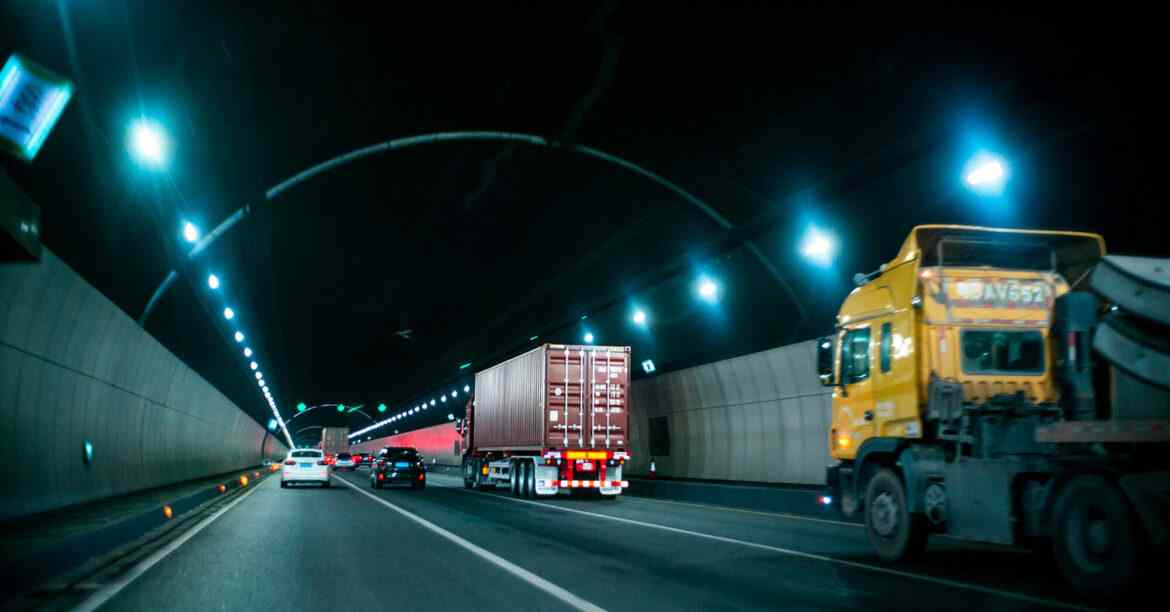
(484, 470)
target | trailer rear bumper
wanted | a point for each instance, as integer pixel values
(606, 487)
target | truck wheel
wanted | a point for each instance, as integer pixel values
(468, 470)
(514, 478)
(1095, 538)
(894, 532)
(529, 479)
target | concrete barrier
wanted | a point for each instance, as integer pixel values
(74, 368)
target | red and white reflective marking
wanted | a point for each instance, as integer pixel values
(585, 484)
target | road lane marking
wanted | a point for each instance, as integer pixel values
(806, 555)
(107, 592)
(498, 561)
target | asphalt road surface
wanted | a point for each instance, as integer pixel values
(350, 547)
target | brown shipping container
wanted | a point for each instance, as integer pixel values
(534, 401)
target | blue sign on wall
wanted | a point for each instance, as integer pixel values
(31, 101)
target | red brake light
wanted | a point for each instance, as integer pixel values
(420, 475)
(290, 462)
(381, 476)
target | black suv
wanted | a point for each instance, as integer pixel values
(398, 465)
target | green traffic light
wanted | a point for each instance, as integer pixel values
(301, 407)
(341, 407)
(381, 407)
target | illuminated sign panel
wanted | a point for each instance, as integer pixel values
(31, 101)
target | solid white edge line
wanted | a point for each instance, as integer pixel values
(805, 555)
(486, 555)
(107, 592)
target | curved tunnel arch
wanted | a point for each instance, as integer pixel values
(466, 136)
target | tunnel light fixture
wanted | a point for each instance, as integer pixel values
(588, 338)
(239, 335)
(467, 388)
(230, 314)
(648, 366)
(213, 281)
(247, 352)
(443, 398)
(148, 143)
(707, 289)
(450, 417)
(639, 317)
(432, 401)
(254, 365)
(190, 232)
(259, 376)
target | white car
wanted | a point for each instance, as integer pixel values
(305, 465)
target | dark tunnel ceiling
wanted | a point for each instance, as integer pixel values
(478, 247)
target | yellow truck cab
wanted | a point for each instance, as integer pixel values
(956, 368)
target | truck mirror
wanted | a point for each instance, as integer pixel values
(825, 361)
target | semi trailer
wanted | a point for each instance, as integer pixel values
(1007, 386)
(553, 420)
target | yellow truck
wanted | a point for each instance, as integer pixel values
(1006, 386)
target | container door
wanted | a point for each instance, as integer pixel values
(569, 423)
(609, 377)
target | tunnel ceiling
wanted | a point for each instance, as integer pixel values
(476, 248)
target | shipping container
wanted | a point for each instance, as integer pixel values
(561, 409)
(334, 440)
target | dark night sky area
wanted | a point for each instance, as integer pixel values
(777, 117)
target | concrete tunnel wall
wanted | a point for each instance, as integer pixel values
(762, 417)
(73, 367)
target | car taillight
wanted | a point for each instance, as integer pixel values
(420, 476)
(290, 462)
(381, 476)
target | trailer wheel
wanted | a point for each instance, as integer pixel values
(1095, 537)
(522, 479)
(529, 479)
(894, 532)
(514, 478)
(470, 471)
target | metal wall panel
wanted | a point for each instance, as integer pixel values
(761, 417)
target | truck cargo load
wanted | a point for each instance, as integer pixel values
(552, 419)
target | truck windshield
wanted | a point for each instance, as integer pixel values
(1003, 352)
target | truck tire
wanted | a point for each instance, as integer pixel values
(514, 478)
(1095, 537)
(895, 533)
(530, 479)
(468, 471)
(521, 479)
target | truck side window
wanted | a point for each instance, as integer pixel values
(855, 355)
(887, 342)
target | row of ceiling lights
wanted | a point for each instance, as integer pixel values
(426, 405)
(191, 234)
(148, 143)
